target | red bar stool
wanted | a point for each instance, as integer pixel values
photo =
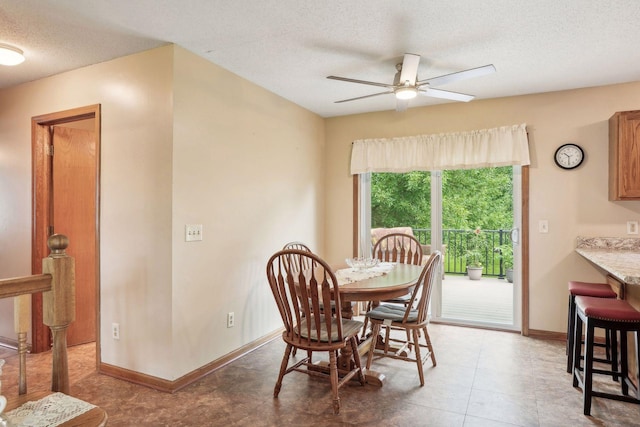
(617, 316)
(596, 290)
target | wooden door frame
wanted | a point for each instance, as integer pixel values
(524, 234)
(41, 214)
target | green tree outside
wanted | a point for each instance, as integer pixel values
(471, 199)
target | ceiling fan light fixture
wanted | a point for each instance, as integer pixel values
(10, 55)
(407, 92)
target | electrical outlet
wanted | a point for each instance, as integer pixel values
(632, 227)
(230, 319)
(115, 331)
(192, 232)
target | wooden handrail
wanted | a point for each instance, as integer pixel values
(24, 285)
(58, 303)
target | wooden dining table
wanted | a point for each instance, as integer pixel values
(393, 283)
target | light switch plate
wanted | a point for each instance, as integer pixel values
(632, 227)
(192, 232)
(543, 226)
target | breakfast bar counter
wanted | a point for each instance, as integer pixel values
(618, 257)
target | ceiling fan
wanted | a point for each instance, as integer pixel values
(406, 85)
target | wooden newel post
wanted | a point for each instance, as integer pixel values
(59, 306)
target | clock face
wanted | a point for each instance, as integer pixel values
(569, 156)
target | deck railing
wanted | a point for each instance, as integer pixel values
(57, 283)
(457, 242)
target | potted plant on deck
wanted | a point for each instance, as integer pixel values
(475, 253)
(505, 253)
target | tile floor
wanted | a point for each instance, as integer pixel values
(483, 379)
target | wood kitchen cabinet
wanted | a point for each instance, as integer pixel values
(624, 156)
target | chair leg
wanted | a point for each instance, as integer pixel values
(409, 342)
(427, 338)
(418, 356)
(333, 373)
(283, 369)
(356, 358)
(387, 335)
(366, 321)
(375, 330)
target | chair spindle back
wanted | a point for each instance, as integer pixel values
(300, 294)
(398, 247)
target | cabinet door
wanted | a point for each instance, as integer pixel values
(624, 128)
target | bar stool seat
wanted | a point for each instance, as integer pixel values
(617, 316)
(588, 289)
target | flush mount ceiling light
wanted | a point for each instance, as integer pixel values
(406, 92)
(10, 55)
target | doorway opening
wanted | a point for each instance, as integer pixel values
(65, 173)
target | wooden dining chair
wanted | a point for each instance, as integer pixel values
(413, 318)
(399, 248)
(299, 295)
(302, 247)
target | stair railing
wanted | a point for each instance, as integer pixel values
(57, 283)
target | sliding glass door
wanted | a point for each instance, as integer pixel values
(449, 211)
(478, 223)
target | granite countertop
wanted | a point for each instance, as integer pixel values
(618, 256)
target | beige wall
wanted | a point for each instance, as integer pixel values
(574, 202)
(183, 141)
(248, 166)
(135, 94)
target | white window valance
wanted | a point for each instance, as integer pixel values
(503, 146)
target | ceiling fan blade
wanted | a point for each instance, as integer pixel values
(363, 97)
(446, 94)
(409, 69)
(364, 82)
(402, 105)
(460, 75)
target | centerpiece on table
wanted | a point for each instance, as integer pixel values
(362, 263)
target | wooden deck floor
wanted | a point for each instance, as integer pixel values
(487, 300)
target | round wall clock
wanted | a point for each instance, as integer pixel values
(569, 156)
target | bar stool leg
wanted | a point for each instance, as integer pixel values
(613, 345)
(587, 377)
(624, 364)
(570, 333)
(577, 344)
(637, 362)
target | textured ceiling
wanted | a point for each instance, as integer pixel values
(290, 46)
